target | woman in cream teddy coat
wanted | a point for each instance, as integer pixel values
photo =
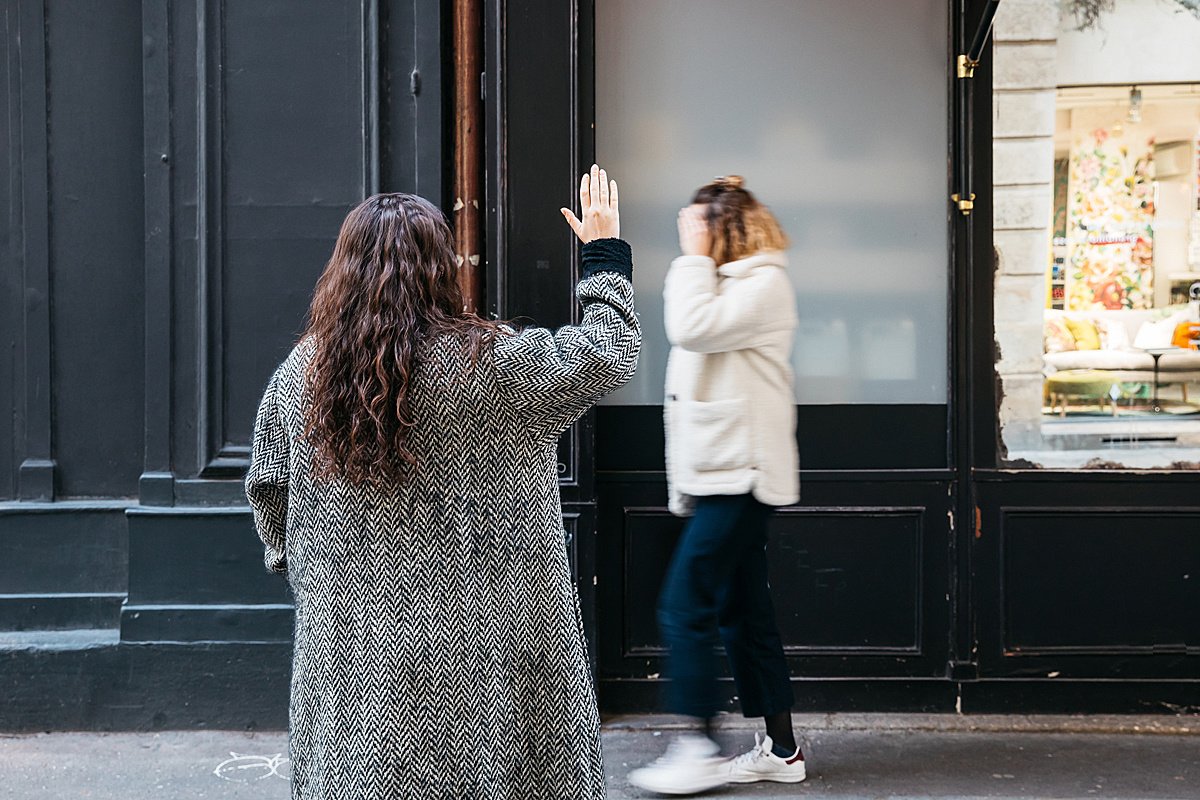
(731, 456)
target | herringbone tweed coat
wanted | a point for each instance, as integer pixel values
(438, 646)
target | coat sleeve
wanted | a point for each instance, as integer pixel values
(703, 319)
(267, 480)
(552, 377)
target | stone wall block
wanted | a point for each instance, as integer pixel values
(1024, 66)
(1025, 252)
(1021, 412)
(1020, 345)
(1021, 207)
(1023, 113)
(1020, 298)
(1017, 161)
(1026, 20)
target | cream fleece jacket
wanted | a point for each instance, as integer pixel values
(730, 411)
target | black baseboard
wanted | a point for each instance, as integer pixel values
(59, 612)
(244, 686)
(896, 696)
(940, 696)
(1050, 696)
(145, 687)
(207, 623)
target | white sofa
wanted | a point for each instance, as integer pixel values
(1128, 363)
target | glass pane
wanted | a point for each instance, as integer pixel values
(1097, 217)
(836, 115)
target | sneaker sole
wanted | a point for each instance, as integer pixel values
(772, 779)
(677, 789)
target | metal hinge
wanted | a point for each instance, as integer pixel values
(966, 67)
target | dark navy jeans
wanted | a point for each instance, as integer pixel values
(717, 582)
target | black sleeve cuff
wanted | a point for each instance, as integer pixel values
(608, 255)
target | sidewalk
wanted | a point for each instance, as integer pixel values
(850, 756)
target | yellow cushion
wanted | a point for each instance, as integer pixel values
(1057, 336)
(1087, 336)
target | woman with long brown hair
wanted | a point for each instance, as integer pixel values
(730, 313)
(404, 477)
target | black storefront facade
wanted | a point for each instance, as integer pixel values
(175, 176)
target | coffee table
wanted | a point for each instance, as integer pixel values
(1156, 353)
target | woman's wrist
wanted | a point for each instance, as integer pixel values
(607, 255)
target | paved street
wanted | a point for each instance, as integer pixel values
(876, 756)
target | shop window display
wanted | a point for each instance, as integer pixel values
(1096, 214)
(1121, 317)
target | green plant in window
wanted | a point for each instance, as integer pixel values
(1087, 13)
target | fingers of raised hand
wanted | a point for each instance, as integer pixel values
(603, 178)
(612, 193)
(594, 178)
(585, 193)
(573, 221)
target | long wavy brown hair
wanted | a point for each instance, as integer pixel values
(738, 224)
(390, 285)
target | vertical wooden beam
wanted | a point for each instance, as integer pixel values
(370, 120)
(468, 149)
(210, 238)
(156, 486)
(495, 154)
(36, 476)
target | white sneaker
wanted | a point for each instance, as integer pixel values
(760, 764)
(690, 765)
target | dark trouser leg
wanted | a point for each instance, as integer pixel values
(702, 566)
(749, 630)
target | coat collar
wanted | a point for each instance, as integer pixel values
(744, 266)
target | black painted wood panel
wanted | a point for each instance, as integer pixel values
(830, 437)
(273, 114)
(1088, 576)
(417, 98)
(57, 549)
(538, 139)
(35, 425)
(859, 575)
(10, 278)
(214, 557)
(290, 146)
(1132, 590)
(542, 158)
(828, 596)
(94, 68)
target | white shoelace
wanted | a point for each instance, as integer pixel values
(746, 760)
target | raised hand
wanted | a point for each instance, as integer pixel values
(597, 206)
(694, 238)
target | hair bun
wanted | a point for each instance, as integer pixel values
(730, 181)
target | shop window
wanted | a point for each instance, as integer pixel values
(1097, 231)
(836, 115)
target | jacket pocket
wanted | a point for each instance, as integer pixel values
(716, 434)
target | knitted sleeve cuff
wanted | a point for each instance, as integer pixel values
(608, 255)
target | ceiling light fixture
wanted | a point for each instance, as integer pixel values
(1135, 105)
